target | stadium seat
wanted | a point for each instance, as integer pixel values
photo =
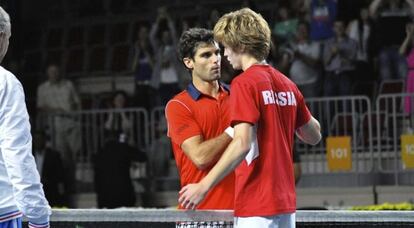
(54, 37)
(365, 88)
(343, 124)
(33, 61)
(120, 58)
(391, 86)
(118, 6)
(75, 61)
(75, 37)
(97, 59)
(96, 34)
(32, 39)
(119, 33)
(54, 56)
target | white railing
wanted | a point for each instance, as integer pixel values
(340, 116)
(374, 131)
(392, 122)
(87, 128)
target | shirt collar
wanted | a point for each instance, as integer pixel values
(195, 93)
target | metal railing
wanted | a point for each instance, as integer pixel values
(339, 116)
(87, 128)
(374, 131)
(394, 118)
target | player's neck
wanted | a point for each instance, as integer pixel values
(248, 61)
(209, 88)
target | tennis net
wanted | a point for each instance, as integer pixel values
(162, 218)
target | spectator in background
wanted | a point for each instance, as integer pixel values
(112, 174)
(390, 18)
(58, 96)
(407, 49)
(301, 8)
(322, 14)
(142, 64)
(113, 161)
(56, 99)
(118, 125)
(50, 167)
(285, 26)
(167, 70)
(304, 57)
(160, 151)
(21, 192)
(339, 59)
(360, 30)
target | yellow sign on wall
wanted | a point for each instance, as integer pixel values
(407, 151)
(338, 153)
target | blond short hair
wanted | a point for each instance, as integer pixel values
(246, 31)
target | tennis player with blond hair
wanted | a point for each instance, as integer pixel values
(267, 109)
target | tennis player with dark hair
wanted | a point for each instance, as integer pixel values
(198, 117)
(21, 192)
(267, 109)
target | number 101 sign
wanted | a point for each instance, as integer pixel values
(407, 151)
(338, 153)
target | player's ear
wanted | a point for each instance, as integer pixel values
(242, 49)
(188, 62)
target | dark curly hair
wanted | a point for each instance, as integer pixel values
(191, 39)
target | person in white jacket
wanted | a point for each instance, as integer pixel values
(21, 192)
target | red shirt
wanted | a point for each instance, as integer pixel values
(267, 99)
(192, 113)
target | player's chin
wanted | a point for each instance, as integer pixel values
(215, 76)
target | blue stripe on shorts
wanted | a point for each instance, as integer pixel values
(13, 223)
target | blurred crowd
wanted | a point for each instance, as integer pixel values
(319, 44)
(327, 47)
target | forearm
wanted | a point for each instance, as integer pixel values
(173, 32)
(153, 36)
(150, 57)
(349, 53)
(308, 59)
(373, 7)
(328, 56)
(411, 5)
(135, 60)
(28, 192)
(404, 46)
(108, 122)
(231, 158)
(310, 132)
(191, 195)
(210, 151)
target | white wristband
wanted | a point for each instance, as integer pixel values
(230, 131)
